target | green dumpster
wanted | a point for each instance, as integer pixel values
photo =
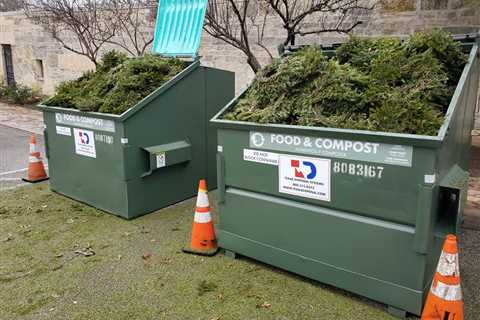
(152, 155)
(364, 211)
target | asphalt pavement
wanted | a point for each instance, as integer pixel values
(14, 152)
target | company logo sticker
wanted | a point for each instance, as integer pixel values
(299, 171)
(84, 143)
(304, 177)
(257, 139)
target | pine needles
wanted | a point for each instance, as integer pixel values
(372, 84)
(118, 84)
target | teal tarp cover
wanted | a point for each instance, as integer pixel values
(179, 27)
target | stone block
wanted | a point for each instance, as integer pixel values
(455, 4)
(434, 4)
(74, 62)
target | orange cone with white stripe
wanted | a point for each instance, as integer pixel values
(445, 301)
(203, 240)
(36, 170)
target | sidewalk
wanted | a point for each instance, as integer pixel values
(16, 125)
(22, 118)
(472, 208)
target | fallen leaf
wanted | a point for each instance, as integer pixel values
(8, 238)
(146, 256)
(87, 251)
(59, 255)
(70, 221)
(266, 305)
(166, 260)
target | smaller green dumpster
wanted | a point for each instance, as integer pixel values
(361, 210)
(153, 154)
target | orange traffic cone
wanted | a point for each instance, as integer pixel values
(36, 170)
(444, 301)
(203, 240)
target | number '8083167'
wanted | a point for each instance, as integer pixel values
(358, 169)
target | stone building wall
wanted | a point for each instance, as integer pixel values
(30, 44)
(33, 50)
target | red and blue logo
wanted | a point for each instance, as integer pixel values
(304, 169)
(84, 138)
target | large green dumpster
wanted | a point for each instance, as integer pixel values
(152, 155)
(364, 211)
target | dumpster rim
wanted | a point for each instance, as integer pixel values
(134, 109)
(454, 102)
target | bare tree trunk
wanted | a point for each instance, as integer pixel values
(253, 63)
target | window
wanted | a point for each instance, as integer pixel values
(38, 69)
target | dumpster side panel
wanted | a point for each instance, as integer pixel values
(220, 87)
(352, 181)
(91, 173)
(327, 245)
(177, 115)
(334, 242)
(456, 146)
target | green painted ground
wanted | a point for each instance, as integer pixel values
(138, 270)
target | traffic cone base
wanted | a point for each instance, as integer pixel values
(203, 240)
(35, 181)
(36, 170)
(206, 253)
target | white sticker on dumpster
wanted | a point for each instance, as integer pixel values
(260, 156)
(160, 160)
(84, 143)
(85, 122)
(304, 177)
(64, 131)
(399, 155)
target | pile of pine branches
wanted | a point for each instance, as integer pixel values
(379, 84)
(118, 84)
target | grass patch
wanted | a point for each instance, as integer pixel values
(204, 287)
(41, 276)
